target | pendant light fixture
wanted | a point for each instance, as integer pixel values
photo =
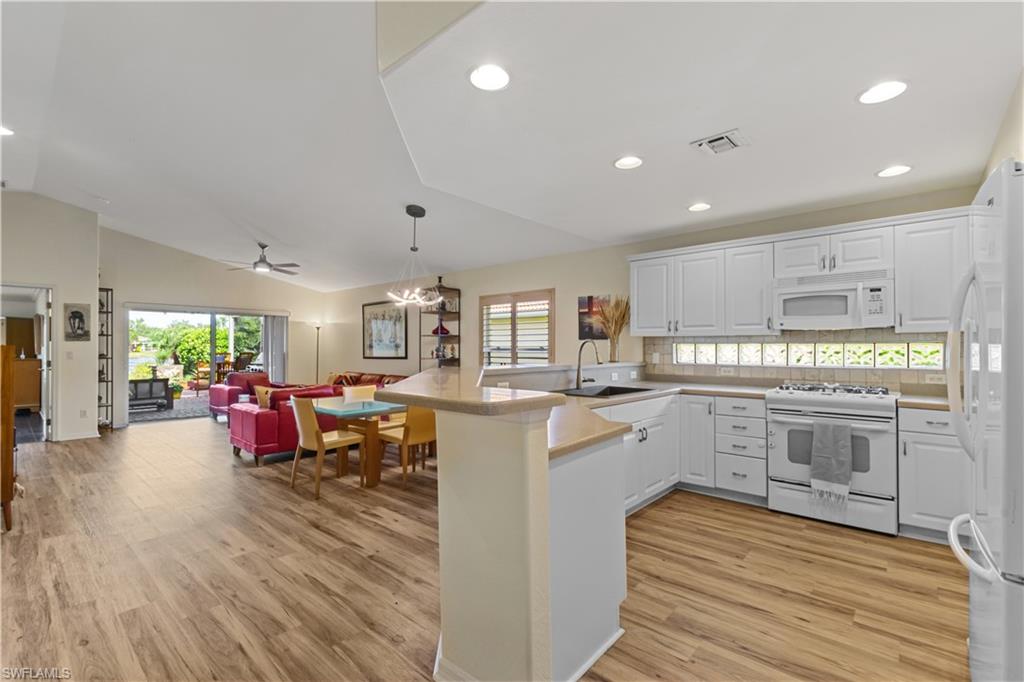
(406, 290)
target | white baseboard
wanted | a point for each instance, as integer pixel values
(81, 436)
(446, 671)
(588, 664)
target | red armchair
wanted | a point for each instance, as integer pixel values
(223, 396)
(268, 430)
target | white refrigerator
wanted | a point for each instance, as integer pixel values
(988, 316)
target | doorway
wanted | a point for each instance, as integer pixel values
(25, 323)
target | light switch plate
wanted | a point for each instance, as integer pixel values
(632, 374)
(503, 384)
(656, 358)
(69, 355)
(615, 376)
(726, 371)
(82, 414)
(933, 378)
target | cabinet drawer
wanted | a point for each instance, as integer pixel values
(740, 426)
(925, 421)
(740, 445)
(641, 409)
(742, 474)
(740, 407)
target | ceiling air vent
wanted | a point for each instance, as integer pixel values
(721, 143)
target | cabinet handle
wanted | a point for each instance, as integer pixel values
(822, 263)
(739, 407)
(769, 321)
(669, 328)
(709, 408)
(904, 448)
(737, 446)
(738, 474)
(832, 263)
(677, 325)
(901, 319)
(645, 434)
(738, 426)
(929, 422)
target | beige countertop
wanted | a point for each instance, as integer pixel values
(573, 427)
(455, 389)
(923, 402)
(661, 389)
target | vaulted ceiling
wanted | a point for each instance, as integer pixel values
(206, 126)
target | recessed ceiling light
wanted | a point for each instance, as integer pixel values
(5, 131)
(628, 162)
(489, 77)
(893, 171)
(699, 206)
(882, 92)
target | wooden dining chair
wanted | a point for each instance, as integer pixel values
(312, 438)
(355, 394)
(417, 433)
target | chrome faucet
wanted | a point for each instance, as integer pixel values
(579, 363)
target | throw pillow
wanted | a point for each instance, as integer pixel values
(263, 395)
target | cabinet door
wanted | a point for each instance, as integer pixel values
(659, 453)
(748, 289)
(799, 257)
(935, 476)
(699, 281)
(931, 257)
(651, 305)
(861, 250)
(697, 440)
(631, 465)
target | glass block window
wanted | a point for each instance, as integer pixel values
(828, 355)
(686, 353)
(801, 354)
(775, 355)
(890, 355)
(728, 354)
(995, 357)
(859, 354)
(750, 354)
(926, 356)
(705, 353)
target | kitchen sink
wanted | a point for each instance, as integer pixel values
(600, 391)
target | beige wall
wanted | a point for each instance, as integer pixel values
(51, 244)
(143, 272)
(600, 271)
(1009, 140)
(404, 26)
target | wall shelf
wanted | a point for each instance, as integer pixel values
(105, 334)
(441, 350)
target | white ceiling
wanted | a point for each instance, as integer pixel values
(210, 125)
(16, 294)
(594, 81)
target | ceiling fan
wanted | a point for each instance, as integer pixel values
(261, 264)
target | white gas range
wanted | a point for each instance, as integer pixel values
(871, 413)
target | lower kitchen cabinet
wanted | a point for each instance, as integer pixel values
(934, 480)
(651, 462)
(697, 440)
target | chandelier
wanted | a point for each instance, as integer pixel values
(406, 290)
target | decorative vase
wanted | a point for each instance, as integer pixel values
(613, 349)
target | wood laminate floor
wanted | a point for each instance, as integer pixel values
(154, 554)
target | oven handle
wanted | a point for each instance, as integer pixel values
(810, 422)
(807, 484)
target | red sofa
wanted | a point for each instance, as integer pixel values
(268, 430)
(223, 396)
(365, 379)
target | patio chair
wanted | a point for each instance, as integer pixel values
(242, 360)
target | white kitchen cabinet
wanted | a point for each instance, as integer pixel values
(699, 293)
(697, 440)
(651, 448)
(631, 467)
(857, 251)
(934, 480)
(861, 250)
(748, 289)
(800, 257)
(931, 257)
(652, 308)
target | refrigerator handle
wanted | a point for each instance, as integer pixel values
(988, 574)
(954, 372)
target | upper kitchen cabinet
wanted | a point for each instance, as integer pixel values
(748, 289)
(861, 250)
(800, 257)
(652, 311)
(931, 257)
(699, 282)
(856, 251)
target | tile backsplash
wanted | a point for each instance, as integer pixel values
(914, 381)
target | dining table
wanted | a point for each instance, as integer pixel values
(360, 416)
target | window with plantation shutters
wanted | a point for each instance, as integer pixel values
(517, 329)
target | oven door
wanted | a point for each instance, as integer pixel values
(832, 306)
(874, 451)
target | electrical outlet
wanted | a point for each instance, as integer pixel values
(70, 355)
(933, 378)
(632, 374)
(726, 371)
(615, 376)
(82, 414)
(503, 384)
(656, 358)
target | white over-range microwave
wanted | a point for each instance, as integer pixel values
(843, 301)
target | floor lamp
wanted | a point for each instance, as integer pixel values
(316, 325)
